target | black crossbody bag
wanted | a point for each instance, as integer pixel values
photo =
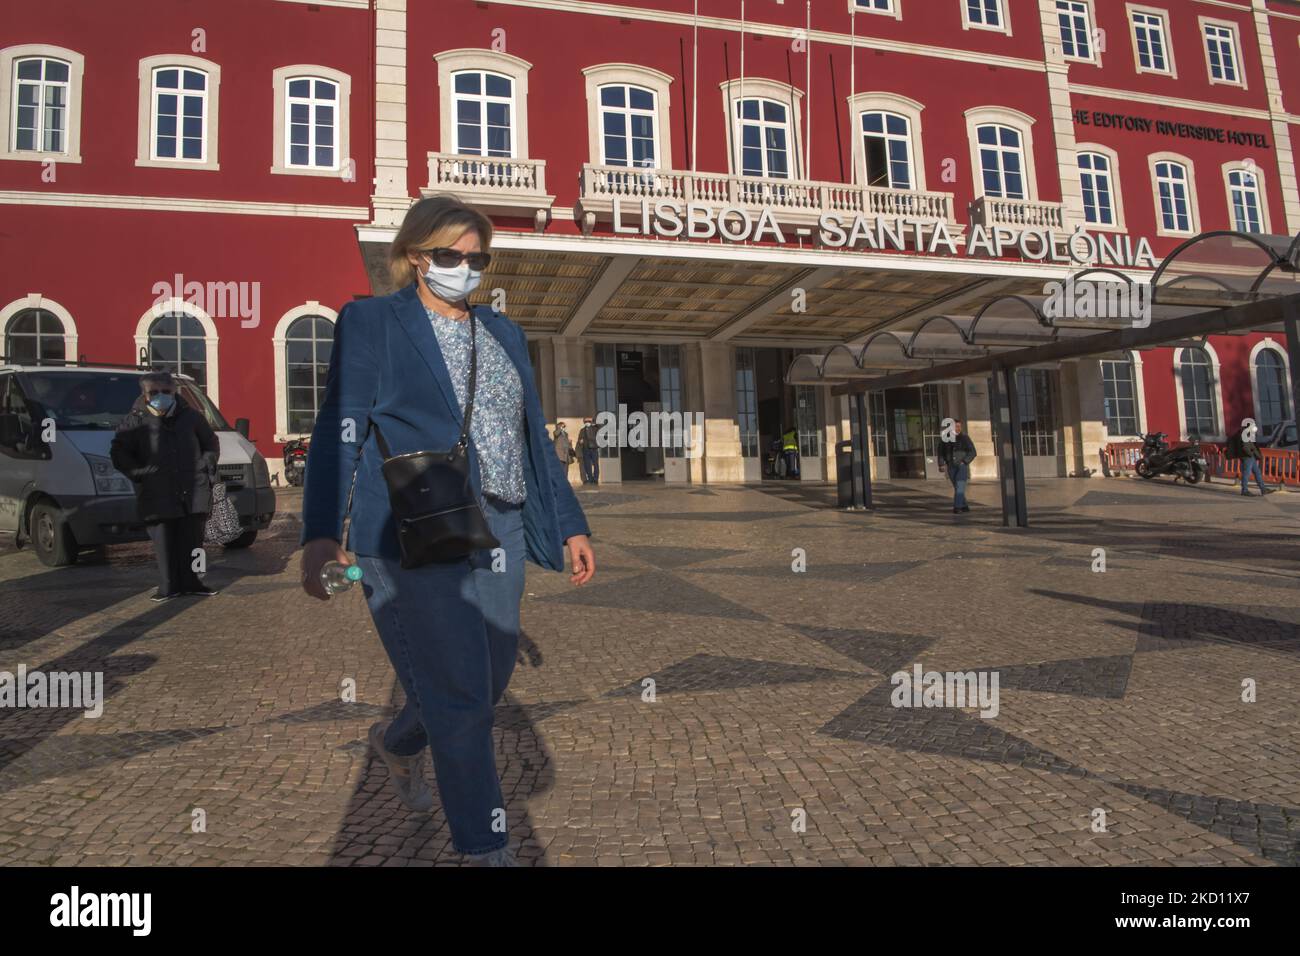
(438, 517)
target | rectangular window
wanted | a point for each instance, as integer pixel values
(887, 150)
(746, 403)
(764, 135)
(1001, 162)
(1246, 202)
(984, 13)
(1221, 49)
(1120, 399)
(810, 439)
(607, 389)
(1151, 40)
(670, 399)
(1036, 392)
(312, 114)
(483, 106)
(879, 425)
(1075, 19)
(876, 6)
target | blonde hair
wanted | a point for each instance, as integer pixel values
(432, 223)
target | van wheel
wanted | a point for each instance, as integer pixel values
(244, 540)
(51, 537)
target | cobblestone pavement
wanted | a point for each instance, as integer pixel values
(1120, 692)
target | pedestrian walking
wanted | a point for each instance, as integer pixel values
(170, 453)
(564, 448)
(956, 456)
(401, 370)
(1252, 463)
(589, 452)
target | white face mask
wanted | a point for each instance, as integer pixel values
(451, 285)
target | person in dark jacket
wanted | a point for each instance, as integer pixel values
(589, 450)
(170, 453)
(1252, 463)
(956, 456)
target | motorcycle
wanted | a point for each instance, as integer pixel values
(1187, 462)
(295, 460)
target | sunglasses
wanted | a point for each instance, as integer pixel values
(445, 258)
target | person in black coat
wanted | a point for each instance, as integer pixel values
(956, 456)
(170, 453)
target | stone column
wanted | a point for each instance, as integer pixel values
(722, 461)
(1277, 108)
(392, 195)
(1058, 89)
(979, 426)
(1086, 428)
(572, 388)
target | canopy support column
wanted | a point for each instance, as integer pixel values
(861, 452)
(1291, 322)
(1011, 466)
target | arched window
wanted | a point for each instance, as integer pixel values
(1273, 402)
(1174, 192)
(1098, 189)
(178, 343)
(1200, 399)
(1120, 402)
(1245, 200)
(307, 345)
(887, 150)
(1002, 161)
(34, 337)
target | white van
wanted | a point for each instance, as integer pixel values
(59, 491)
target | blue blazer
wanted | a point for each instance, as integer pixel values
(387, 368)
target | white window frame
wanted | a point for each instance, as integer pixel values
(1166, 44)
(210, 338)
(279, 349)
(882, 102)
(1194, 206)
(968, 24)
(1237, 56)
(34, 300)
(893, 8)
(1022, 123)
(765, 89)
(9, 57)
(1261, 193)
(628, 74)
(1090, 18)
(1116, 190)
(486, 61)
(1269, 345)
(1134, 358)
(146, 139)
(280, 80)
(1216, 387)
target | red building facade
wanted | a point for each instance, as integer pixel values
(205, 184)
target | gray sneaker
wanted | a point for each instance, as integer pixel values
(406, 774)
(502, 857)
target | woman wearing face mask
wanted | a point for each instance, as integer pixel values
(170, 453)
(400, 366)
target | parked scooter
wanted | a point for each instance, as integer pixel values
(295, 460)
(1187, 463)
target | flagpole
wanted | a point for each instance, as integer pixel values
(738, 127)
(853, 89)
(807, 94)
(695, 89)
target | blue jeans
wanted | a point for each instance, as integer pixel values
(959, 475)
(451, 631)
(1251, 466)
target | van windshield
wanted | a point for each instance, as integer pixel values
(100, 400)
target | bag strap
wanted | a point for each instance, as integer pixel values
(463, 442)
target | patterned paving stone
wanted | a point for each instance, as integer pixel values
(883, 652)
(24, 762)
(1169, 626)
(1081, 677)
(658, 592)
(708, 672)
(669, 558)
(821, 570)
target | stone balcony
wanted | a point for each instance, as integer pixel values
(500, 185)
(1017, 214)
(798, 202)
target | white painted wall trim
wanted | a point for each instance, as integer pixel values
(34, 300)
(20, 197)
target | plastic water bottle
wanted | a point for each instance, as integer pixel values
(337, 577)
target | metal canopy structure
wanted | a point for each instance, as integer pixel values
(1218, 283)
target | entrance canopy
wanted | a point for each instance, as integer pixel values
(1210, 274)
